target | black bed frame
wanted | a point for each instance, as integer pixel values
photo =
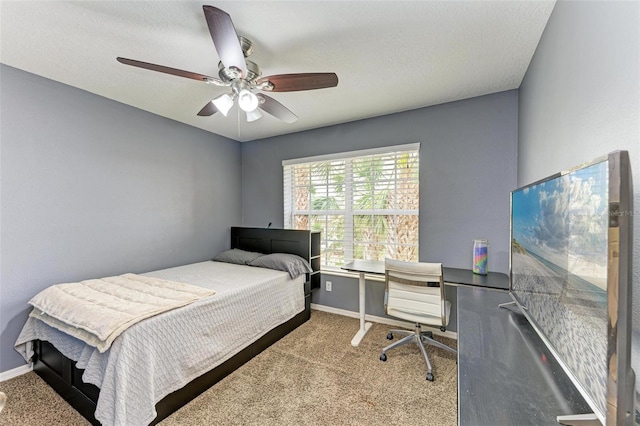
(62, 375)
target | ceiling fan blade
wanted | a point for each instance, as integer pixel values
(275, 108)
(168, 70)
(304, 81)
(207, 110)
(225, 38)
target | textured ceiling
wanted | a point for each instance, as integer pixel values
(390, 56)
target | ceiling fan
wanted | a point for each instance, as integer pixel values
(242, 76)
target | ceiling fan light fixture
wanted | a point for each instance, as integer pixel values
(254, 115)
(223, 103)
(247, 101)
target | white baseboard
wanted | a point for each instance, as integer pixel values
(15, 372)
(381, 320)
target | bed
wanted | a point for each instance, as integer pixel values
(160, 363)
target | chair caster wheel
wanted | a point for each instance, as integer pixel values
(390, 336)
(430, 377)
(443, 329)
(383, 357)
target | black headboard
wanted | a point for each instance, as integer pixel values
(268, 240)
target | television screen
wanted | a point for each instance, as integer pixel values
(562, 275)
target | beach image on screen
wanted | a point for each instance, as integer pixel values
(559, 269)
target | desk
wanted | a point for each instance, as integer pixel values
(363, 267)
(466, 277)
(452, 276)
(506, 374)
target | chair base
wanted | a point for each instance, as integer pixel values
(420, 338)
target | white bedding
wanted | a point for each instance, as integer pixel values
(99, 310)
(163, 353)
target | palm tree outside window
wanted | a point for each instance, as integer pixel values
(365, 203)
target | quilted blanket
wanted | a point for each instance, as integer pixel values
(99, 310)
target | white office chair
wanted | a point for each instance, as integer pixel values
(414, 291)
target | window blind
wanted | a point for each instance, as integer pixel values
(365, 203)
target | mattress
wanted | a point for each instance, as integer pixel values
(163, 353)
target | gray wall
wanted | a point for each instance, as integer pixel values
(467, 169)
(580, 99)
(91, 187)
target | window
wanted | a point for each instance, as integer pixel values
(365, 203)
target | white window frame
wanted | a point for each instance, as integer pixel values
(348, 212)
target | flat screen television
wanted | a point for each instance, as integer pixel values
(570, 273)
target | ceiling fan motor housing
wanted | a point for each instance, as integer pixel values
(229, 74)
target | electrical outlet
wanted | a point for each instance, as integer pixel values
(328, 285)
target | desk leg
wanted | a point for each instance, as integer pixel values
(364, 326)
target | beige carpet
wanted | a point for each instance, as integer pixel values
(313, 376)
